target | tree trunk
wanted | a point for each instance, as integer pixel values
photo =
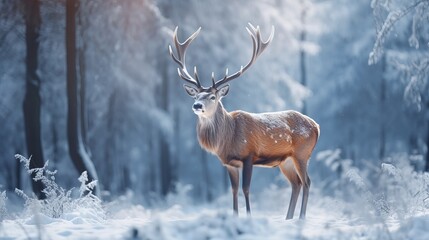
(110, 141)
(205, 170)
(427, 147)
(82, 80)
(427, 136)
(382, 150)
(18, 174)
(32, 100)
(167, 179)
(77, 149)
(302, 55)
(152, 163)
(55, 151)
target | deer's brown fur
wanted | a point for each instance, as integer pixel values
(270, 138)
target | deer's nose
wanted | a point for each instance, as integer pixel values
(197, 106)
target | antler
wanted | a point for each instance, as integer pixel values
(180, 59)
(258, 47)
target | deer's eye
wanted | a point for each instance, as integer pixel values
(213, 98)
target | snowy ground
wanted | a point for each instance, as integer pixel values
(397, 209)
(327, 218)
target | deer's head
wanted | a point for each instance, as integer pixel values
(207, 99)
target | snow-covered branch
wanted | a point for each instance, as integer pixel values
(418, 8)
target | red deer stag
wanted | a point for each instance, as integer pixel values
(243, 140)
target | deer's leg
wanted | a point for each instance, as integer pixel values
(305, 190)
(234, 178)
(301, 167)
(288, 170)
(247, 177)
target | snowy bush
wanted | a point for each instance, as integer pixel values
(400, 192)
(407, 191)
(393, 189)
(60, 202)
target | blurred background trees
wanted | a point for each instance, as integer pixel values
(409, 62)
(138, 128)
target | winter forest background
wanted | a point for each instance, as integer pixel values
(359, 68)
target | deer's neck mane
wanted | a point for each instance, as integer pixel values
(216, 132)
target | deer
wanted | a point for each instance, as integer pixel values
(240, 139)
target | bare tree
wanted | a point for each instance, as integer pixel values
(78, 151)
(302, 53)
(167, 174)
(32, 100)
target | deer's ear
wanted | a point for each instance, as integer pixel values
(191, 91)
(223, 91)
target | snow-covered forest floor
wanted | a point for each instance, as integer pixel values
(398, 212)
(328, 218)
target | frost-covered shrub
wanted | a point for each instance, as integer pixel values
(368, 193)
(390, 189)
(59, 201)
(400, 191)
(406, 191)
